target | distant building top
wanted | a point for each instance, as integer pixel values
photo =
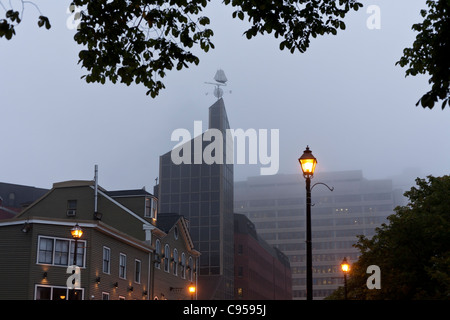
(19, 196)
(128, 193)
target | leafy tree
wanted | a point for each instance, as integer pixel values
(138, 41)
(12, 19)
(412, 251)
(430, 52)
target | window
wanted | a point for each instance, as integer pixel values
(12, 198)
(175, 232)
(55, 251)
(106, 260)
(175, 262)
(191, 268)
(137, 271)
(150, 208)
(45, 254)
(183, 266)
(240, 271)
(57, 293)
(158, 254)
(166, 258)
(61, 252)
(122, 266)
(105, 296)
(71, 208)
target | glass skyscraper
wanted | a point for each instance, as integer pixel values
(203, 193)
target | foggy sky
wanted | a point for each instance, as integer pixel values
(344, 97)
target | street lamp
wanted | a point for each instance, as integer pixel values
(308, 163)
(345, 266)
(76, 232)
(192, 290)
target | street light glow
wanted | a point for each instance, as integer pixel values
(76, 232)
(345, 266)
(307, 162)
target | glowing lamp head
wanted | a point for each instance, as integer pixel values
(76, 232)
(308, 163)
(345, 266)
(192, 289)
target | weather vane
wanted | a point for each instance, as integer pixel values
(221, 80)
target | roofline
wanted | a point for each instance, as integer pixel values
(34, 203)
(123, 207)
(102, 227)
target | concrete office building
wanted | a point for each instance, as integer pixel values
(276, 205)
(203, 193)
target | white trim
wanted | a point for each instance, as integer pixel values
(124, 239)
(124, 266)
(70, 223)
(140, 270)
(58, 287)
(51, 222)
(69, 262)
(103, 260)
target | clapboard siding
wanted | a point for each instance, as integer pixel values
(15, 249)
(107, 281)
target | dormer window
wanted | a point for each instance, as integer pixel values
(71, 208)
(150, 208)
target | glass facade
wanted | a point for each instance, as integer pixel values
(276, 205)
(203, 193)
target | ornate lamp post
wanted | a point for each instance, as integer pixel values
(76, 232)
(308, 163)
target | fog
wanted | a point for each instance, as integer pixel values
(344, 97)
